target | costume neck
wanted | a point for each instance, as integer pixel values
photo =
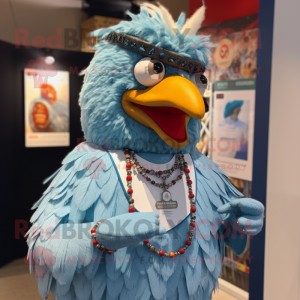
(156, 158)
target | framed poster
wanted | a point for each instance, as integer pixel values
(233, 127)
(47, 115)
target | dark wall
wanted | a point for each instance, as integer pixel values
(261, 138)
(24, 169)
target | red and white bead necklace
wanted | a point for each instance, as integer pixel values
(131, 162)
(95, 242)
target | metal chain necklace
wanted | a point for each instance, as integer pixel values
(131, 162)
(178, 164)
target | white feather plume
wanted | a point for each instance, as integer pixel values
(163, 12)
(168, 18)
(194, 23)
(150, 8)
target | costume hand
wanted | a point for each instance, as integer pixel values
(128, 230)
(249, 213)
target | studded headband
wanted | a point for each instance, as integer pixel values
(147, 49)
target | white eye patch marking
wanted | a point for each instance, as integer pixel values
(155, 76)
(149, 71)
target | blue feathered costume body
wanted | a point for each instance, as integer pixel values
(62, 254)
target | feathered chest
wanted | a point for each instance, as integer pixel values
(89, 187)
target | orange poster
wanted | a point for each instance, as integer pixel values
(46, 108)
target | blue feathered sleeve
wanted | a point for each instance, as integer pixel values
(214, 189)
(59, 240)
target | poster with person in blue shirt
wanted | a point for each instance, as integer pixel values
(233, 127)
(234, 130)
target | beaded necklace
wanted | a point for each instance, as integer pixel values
(180, 163)
(132, 162)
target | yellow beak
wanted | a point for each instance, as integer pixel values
(166, 108)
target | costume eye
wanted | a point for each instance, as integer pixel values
(158, 67)
(200, 81)
(149, 71)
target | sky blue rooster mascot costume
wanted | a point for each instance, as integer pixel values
(137, 212)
